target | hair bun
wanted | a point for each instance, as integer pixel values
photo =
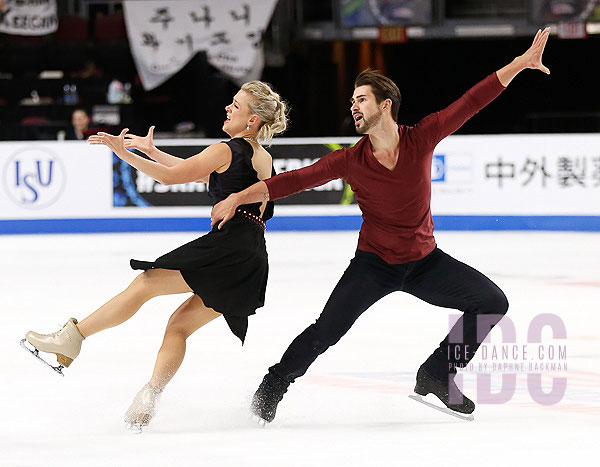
(270, 108)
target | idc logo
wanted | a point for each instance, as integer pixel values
(34, 178)
(438, 168)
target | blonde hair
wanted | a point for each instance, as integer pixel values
(269, 107)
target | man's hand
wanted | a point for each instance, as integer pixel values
(115, 143)
(143, 143)
(223, 211)
(532, 58)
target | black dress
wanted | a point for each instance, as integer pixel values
(227, 268)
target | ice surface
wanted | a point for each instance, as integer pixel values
(351, 409)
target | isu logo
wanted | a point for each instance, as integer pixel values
(438, 168)
(34, 177)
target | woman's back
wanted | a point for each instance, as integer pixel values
(249, 164)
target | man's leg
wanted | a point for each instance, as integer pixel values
(444, 281)
(367, 279)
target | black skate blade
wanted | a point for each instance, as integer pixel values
(258, 421)
(35, 353)
(446, 410)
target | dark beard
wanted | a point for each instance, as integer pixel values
(369, 123)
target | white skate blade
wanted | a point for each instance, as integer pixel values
(259, 421)
(135, 428)
(35, 353)
(446, 410)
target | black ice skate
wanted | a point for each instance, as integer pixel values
(267, 396)
(446, 391)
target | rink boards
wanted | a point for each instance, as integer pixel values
(490, 182)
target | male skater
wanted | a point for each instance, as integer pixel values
(389, 172)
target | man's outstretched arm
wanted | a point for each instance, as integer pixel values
(532, 58)
(437, 126)
(329, 167)
(225, 210)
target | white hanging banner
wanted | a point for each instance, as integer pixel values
(28, 17)
(165, 35)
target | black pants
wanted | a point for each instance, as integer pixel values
(438, 279)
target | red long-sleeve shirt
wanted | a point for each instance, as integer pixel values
(397, 224)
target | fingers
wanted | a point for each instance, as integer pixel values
(214, 216)
(110, 140)
(96, 139)
(219, 219)
(540, 39)
(225, 219)
(151, 132)
(537, 36)
(543, 39)
(533, 56)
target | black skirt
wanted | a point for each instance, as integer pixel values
(227, 268)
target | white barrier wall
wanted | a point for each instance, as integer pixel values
(53, 180)
(539, 182)
(517, 175)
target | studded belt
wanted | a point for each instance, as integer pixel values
(252, 217)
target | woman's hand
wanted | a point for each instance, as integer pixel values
(142, 143)
(115, 143)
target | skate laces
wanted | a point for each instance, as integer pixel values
(56, 333)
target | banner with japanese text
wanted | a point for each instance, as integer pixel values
(165, 35)
(517, 175)
(28, 17)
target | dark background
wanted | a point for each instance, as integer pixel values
(314, 76)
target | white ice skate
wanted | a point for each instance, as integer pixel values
(65, 344)
(142, 408)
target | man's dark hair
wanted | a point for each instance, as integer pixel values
(383, 88)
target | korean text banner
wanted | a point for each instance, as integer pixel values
(165, 35)
(28, 17)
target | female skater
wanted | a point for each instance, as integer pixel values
(225, 269)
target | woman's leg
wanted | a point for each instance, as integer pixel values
(147, 285)
(190, 316)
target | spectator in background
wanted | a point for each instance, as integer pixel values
(80, 121)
